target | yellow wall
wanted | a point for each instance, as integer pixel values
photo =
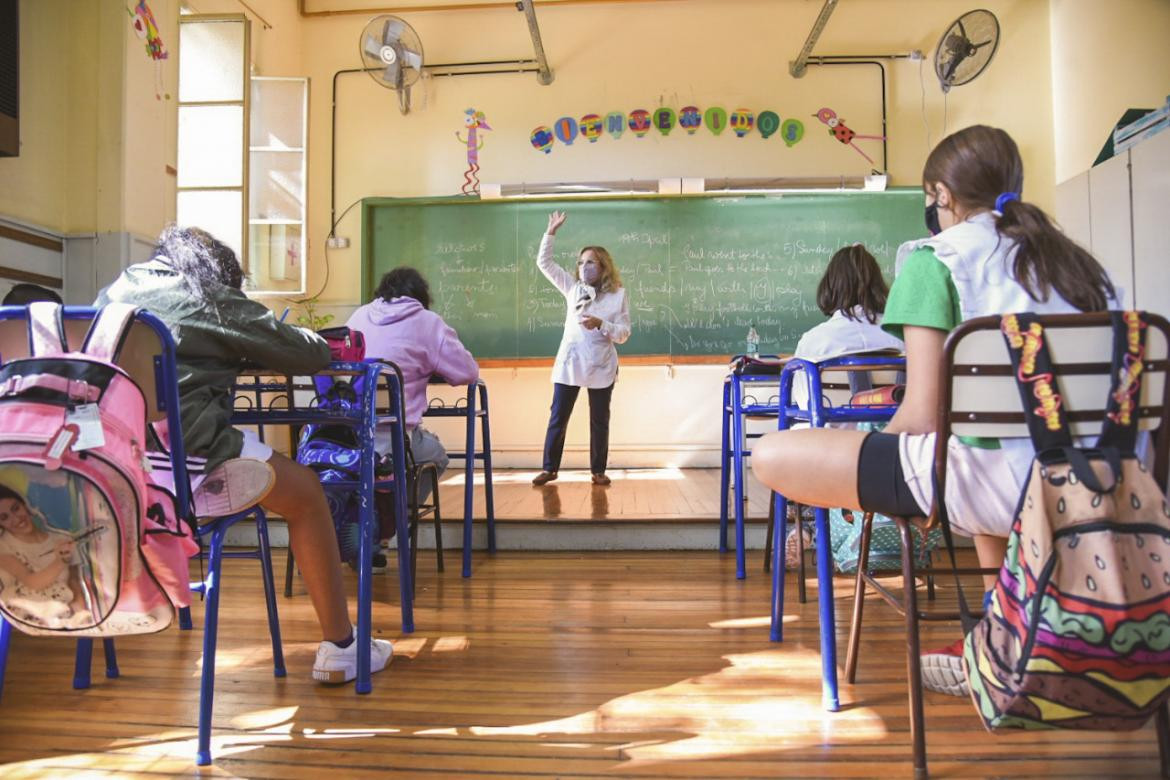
(1106, 57)
(619, 57)
(95, 141)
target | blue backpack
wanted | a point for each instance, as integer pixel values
(332, 450)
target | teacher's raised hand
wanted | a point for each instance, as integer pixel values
(555, 220)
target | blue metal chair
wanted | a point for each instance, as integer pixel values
(364, 418)
(817, 415)
(738, 406)
(473, 411)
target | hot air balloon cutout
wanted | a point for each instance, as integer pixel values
(640, 122)
(590, 126)
(565, 129)
(689, 119)
(768, 122)
(145, 27)
(791, 130)
(664, 120)
(615, 124)
(742, 122)
(838, 130)
(715, 119)
(542, 139)
(474, 121)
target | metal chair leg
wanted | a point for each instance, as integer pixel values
(81, 663)
(1162, 729)
(112, 672)
(210, 634)
(913, 650)
(771, 532)
(801, 586)
(780, 515)
(288, 573)
(265, 553)
(5, 640)
(438, 522)
(851, 656)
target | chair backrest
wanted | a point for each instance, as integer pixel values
(979, 395)
(141, 352)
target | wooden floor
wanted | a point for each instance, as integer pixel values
(651, 494)
(542, 665)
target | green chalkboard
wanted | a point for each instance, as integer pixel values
(698, 270)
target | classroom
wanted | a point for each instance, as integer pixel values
(722, 151)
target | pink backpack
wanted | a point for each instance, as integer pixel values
(88, 545)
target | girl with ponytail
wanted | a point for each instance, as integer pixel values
(993, 253)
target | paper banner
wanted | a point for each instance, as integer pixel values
(591, 127)
(792, 130)
(640, 122)
(689, 119)
(715, 119)
(566, 130)
(768, 123)
(742, 122)
(664, 120)
(542, 139)
(615, 123)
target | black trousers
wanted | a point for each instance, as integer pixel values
(564, 398)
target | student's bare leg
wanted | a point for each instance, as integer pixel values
(298, 497)
(813, 466)
(991, 551)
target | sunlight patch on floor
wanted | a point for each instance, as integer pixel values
(265, 718)
(450, 644)
(763, 621)
(759, 702)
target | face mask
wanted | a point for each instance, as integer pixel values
(590, 273)
(932, 223)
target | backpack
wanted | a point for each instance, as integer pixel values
(333, 451)
(1077, 634)
(76, 498)
(345, 344)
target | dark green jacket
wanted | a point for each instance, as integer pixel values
(212, 338)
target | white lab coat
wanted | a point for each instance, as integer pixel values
(586, 358)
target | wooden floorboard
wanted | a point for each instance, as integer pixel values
(635, 495)
(568, 665)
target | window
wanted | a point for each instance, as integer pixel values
(276, 193)
(213, 127)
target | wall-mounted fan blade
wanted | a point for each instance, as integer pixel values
(372, 48)
(392, 74)
(412, 59)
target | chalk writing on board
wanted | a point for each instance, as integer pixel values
(698, 272)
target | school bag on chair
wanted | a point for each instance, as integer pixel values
(88, 546)
(1077, 634)
(333, 451)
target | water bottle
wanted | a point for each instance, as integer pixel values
(753, 341)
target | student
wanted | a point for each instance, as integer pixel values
(399, 326)
(23, 294)
(193, 285)
(995, 254)
(852, 293)
(597, 317)
(38, 574)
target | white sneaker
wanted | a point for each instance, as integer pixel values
(339, 664)
(233, 486)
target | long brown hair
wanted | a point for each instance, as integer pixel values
(853, 279)
(610, 278)
(978, 164)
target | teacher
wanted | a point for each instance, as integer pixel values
(597, 317)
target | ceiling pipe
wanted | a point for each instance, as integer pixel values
(545, 76)
(799, 66)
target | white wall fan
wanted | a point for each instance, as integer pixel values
(393, 55)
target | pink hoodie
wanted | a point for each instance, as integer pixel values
(422, 345)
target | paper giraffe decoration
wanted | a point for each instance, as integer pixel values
(474, 121)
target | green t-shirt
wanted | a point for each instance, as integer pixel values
(924, 295)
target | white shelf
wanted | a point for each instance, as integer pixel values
(275, 222)
(289, 149)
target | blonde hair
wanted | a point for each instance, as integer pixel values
(610, 278)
